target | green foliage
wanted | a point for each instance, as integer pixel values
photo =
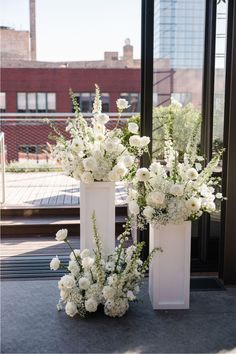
(30, 166)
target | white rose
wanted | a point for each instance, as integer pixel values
(84, 283)
(73, 267)
(128, 160)
(87, 262)
(67, 281)
(135, 141)
(113, 176)
(154, 167)
(134, 208)
(90, 164)
(142, 174)
(130, 295)
(85, 253)
(102, 118)
(157, 197)
(91, 305)
(108, 292)
(148, 212)
(144, 141)
(55, 263)
(122, 104)
(87, 177)
(75, 254)
(133, 128)
(193, 204)
(61, 235)
(71, 309)
(177, 190)
(192, 173)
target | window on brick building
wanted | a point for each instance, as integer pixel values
(183, 97)
(34, 102)
(33, 152)
(86, 99)
(133, 99)
(2, 101)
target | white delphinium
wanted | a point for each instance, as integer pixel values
(55, 263)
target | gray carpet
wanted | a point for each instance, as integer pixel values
(31, 324)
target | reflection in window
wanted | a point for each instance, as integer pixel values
(36, 102)
(86, 99)
(2, 101)
(183, 98)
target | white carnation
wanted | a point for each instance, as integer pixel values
(84, 283)
(193, 204)
(91, 305)
(122, 104)
(87, 177)
(61, 235)
(55, 263)
(192, 173)
(133, 128)
(142, 174)
(134, 208)
(71, 309)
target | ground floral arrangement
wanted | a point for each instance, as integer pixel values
(94, 153)
(175, 190)
(92, 280)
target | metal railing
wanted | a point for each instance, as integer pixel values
(2, 172)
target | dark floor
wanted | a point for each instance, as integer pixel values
(31, 324)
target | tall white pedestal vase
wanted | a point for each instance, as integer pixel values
(98, 197)
(169, 274)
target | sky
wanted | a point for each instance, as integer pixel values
(77, 29)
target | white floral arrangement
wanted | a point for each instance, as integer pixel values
(95, 153)
(174, 191)
(91, 280)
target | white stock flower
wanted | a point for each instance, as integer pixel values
(102, 118)
(148, 212)
(130, 295)
(90, 163)
(67, 281)
(55, 263)
(85, 253)
(61, 235)
(71, 309)
(74, 254)
(193, 204)
(133, 128)
(135, 141)
(144, 141)
(84, 283)
(177, 190)
(134, 208)
(108, 292)
(143, 174)
(91, 305)
(122, 104)
(87, 177)
(192, 173)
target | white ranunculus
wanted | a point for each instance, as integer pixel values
(143, 174)
(135, 141)
(85, 253)
(130, 295)
(122, 104)
(73, 267)
(61, 235)
(87, 177)
(192, 173)
(113, 176)
(177, 190)
(128, 160)
(90, 163)
(71, 309)
(102, 118)
(84, 283)
(77, 144)
(193, 204)
(134, 208)
(144, 141)
(98, 128)
(67, 281)
(75, 254)
(157, 197)
(108, 292)
(148, 212)
(91, 305)
(133, 128)
(55, 263)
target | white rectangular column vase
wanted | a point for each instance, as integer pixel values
(169, 273)
(98, 197)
